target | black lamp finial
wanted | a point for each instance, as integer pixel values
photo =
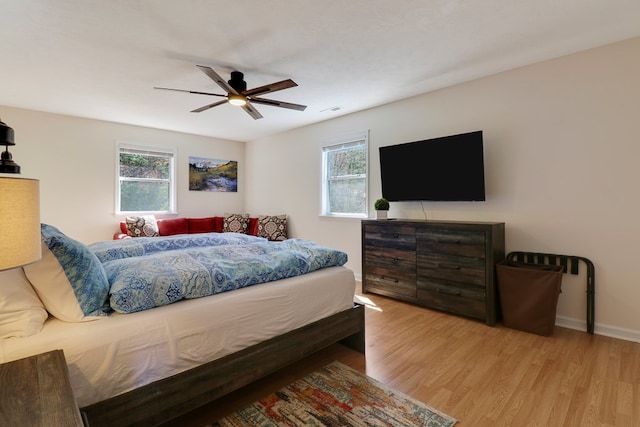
(7, 165)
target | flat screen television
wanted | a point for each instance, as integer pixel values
(449, 168)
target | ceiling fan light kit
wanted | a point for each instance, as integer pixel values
(239, 95)
(237, 100)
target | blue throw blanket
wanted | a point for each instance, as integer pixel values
(140, 281)
(126, 248)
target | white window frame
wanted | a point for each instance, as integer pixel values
(171, 153)
(337, 144)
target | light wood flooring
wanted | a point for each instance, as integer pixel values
(481, 375)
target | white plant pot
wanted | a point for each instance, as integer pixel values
(381, 214)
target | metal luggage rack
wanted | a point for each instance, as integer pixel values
(570, 264)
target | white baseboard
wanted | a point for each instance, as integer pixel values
(571, 323)
(600, 329)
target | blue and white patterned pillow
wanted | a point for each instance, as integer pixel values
(69, 279)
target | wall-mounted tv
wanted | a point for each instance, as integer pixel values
(449, 168)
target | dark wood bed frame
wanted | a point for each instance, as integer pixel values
(171, 397)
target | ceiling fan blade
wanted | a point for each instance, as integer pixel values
(281, 104)
(284, 84)
(190, 91)
(216, 78)
(206, 107)
(251, 111)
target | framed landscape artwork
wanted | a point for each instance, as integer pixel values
(213, 175)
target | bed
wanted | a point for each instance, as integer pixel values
(159, 359)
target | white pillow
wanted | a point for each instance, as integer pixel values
(21, 311)
(69, 279)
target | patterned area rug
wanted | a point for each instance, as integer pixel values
(337, 395)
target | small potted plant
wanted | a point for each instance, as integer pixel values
(381, 206)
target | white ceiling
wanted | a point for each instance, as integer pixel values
(101, 59)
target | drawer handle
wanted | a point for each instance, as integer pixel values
(449, 266)
(389, 279)
(449, 241)
(392, 235)
(448, 292)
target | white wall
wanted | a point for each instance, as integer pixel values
(74, 159)
(561, 153)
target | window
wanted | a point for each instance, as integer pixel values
(344, 176)
(146, 179)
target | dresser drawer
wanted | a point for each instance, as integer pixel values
(392, 259)
(390, 282)
(452, 242)
(390, 237)
(453, 297)
(451, 267)
(396, 275)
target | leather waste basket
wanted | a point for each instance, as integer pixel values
(529, 295)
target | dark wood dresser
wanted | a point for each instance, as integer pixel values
(445, 265)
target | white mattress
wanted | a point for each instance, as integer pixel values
(113, 355)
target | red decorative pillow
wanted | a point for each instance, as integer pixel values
(171, 226)
(235, 223)
(218, 224)
(272, 227)
(253, 226)
(201, 225)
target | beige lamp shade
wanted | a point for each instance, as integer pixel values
(19, 222)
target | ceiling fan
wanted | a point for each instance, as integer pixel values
(239, 95)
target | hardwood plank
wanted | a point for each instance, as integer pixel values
(483, 376)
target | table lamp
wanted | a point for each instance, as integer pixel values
(19, 211)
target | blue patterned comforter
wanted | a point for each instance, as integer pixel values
(142, 277)
(126, 248)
